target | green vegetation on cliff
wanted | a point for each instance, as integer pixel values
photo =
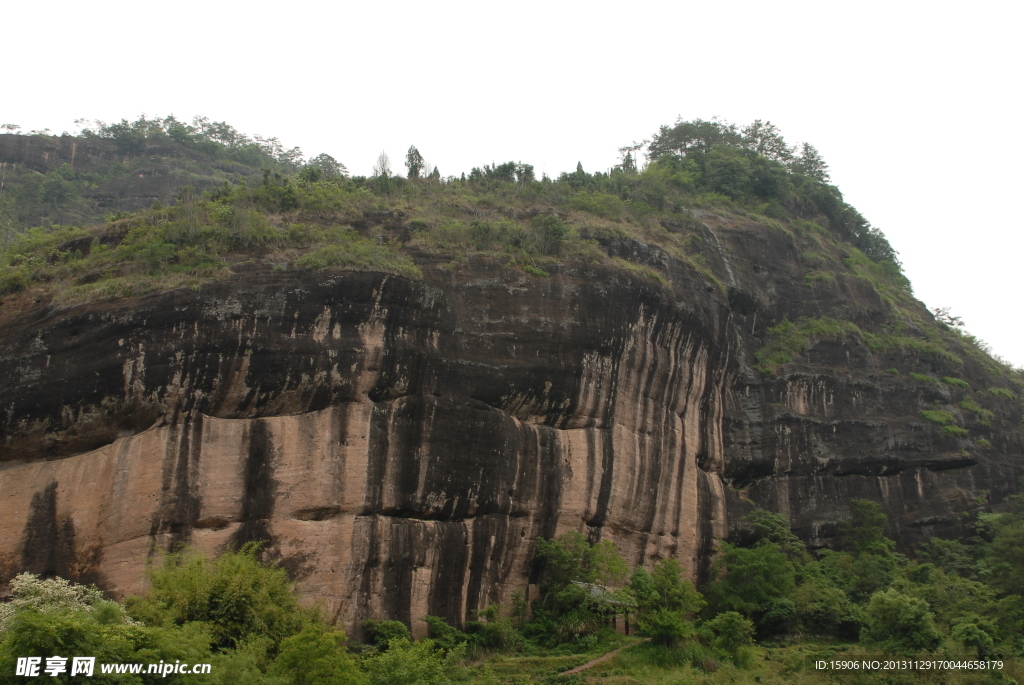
(292, 208)
(769, 610)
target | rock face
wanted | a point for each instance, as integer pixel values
(401, 444)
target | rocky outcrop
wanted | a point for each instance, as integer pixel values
(401, 444)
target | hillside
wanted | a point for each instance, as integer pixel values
(398, 384)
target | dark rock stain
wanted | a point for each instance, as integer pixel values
(48, 549)
(258, 486)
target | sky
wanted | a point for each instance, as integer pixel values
(912, 104)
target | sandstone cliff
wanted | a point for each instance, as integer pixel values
(401, 443)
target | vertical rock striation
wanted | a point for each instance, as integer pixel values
(399, 445)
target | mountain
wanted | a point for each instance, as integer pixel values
(399, 383)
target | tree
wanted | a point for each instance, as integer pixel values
(414, 162)
(764, 138)
(664, 602)
(727, 171)
(329, 167)
(551, 235)
(1006, 556)
(899, 624)
(629, 154)
(382, 167)
(571, 558)
(974, 631)
(675, 593)
(689, 137)
(774, 527)
(810, 163)
(943, 315)
(750, 581)
(864, 531)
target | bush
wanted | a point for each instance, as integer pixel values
(731, 633)
(899, 624)
(1002, 392)
(955, 382)
(664, 627)
(413, 663)
(381, 633)
(316, 656)
(235, 594)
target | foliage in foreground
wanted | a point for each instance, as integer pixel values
(954, 599)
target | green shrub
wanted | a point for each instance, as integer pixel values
(955, 382)
(921, 377)
(234, 594)
(413, 663)
(939, 416)
(894, 372)
(731, 633)
(899, 624)
(664, 627)
(983, 443)
(534, 271)
(955, 431)
(316, 656)
(381, 632)
(1002, 392)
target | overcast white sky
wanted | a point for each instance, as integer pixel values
(914, 105)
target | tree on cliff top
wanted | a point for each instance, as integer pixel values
(414, 162)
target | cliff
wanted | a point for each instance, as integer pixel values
(400, 443)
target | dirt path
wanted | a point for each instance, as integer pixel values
(602, 658)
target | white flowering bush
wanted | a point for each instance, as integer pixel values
(29, 591)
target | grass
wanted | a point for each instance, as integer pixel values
(924, 348)
(789, 339)
(1002, 392)
(955, 431)
(766, 665)
(361, 255)
(939, 416)
(812, 277)
(125, 286)
(984, 415)
(956, 382)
